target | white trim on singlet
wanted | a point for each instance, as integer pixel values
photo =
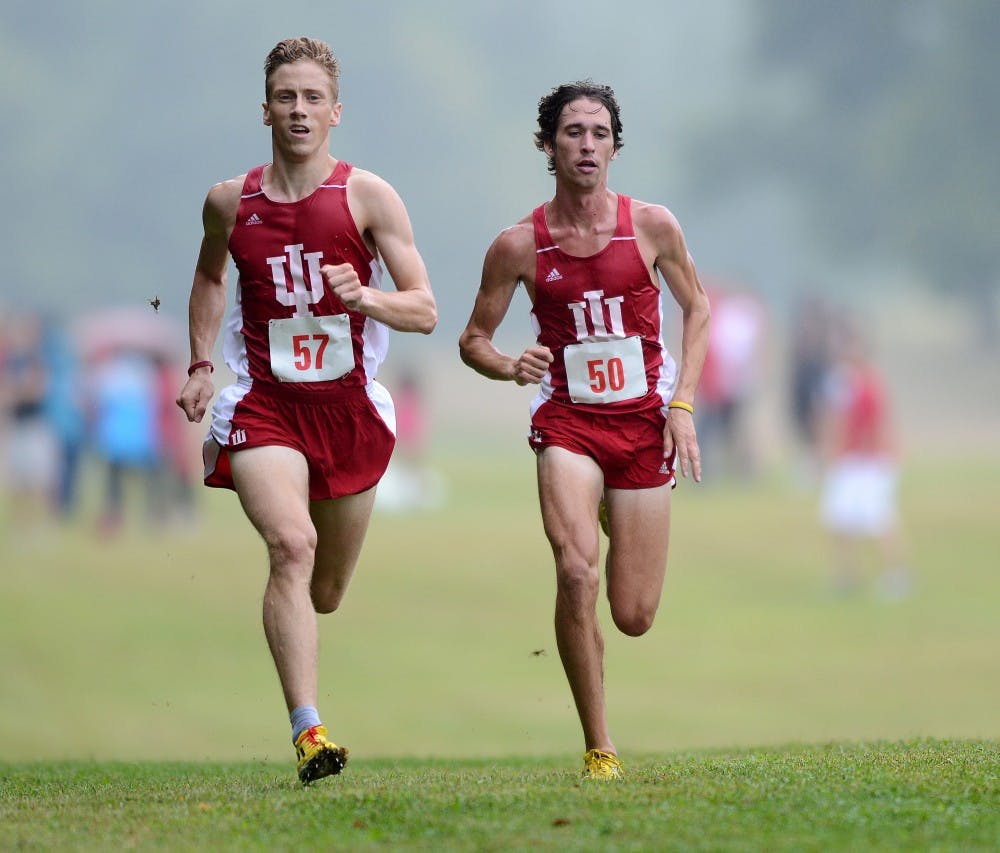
(375, 337)
(666, 381)
(552, 248)
(382, 401)
(320, 187)
(234, 345)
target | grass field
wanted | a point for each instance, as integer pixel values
(918, 795)
(150, 647)
(440, 674)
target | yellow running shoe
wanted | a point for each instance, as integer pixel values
(317, 756)
(602, 765)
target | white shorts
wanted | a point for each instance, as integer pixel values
(859, 496)
(32, 456)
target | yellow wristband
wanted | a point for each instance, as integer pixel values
(677, 404)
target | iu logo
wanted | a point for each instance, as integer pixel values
(291, 288)
(594, 309)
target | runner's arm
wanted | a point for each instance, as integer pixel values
(380, 213)
(677, 268)
(675, 264)
(502, 271)
(207, 302)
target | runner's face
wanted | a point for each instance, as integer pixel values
(300, 109)
(584, 144)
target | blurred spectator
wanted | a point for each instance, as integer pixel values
(126, 429)
(64, 411)
(409, 483)
(861, 475)
(810, 364)
(729, 380)
(30, 452)
(132, 356)
(411, 419)
(178, 470)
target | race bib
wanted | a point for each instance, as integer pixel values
(605, 371)
(311, 349)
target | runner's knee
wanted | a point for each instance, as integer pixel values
(634, 618)
(291, 549)
(326, 597)
(632, 610)
(577, 582)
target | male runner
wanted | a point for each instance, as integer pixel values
(612, 414)
(306, 432)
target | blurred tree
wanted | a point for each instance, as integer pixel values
(883, 118)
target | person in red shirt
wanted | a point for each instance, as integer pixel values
(861, 470)
(306, 431)
(613, 416)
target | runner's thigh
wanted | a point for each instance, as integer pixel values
(341, 525)
(569, 489)
(273, 486)
(640, 536)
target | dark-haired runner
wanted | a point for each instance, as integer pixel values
(613, 416)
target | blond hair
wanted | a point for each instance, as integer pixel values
(294, 49)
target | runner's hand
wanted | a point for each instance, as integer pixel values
(196, 395)
(679, 434)
(531, 366)
(343, 280)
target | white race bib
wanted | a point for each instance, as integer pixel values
(605, 371)
(311, 349)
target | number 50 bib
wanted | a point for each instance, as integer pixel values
(605, 371)
(311, 349)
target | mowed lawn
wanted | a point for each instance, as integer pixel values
(150, 647)
(914, 795)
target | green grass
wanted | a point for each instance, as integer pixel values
(151, 646)
(913, 795)
(440, 673)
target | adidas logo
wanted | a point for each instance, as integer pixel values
(254, 220)
(555, 275)
(664, 468)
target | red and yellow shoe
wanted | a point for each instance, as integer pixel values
(317, 756)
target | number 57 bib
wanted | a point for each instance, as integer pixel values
(311, 349)
(605, 371)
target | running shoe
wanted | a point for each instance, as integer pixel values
(602, 765)
(317, 756)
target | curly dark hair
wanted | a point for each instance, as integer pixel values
(294, 49)
(551, 105)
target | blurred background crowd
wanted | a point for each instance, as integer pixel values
(91, 432)
(93, 403)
